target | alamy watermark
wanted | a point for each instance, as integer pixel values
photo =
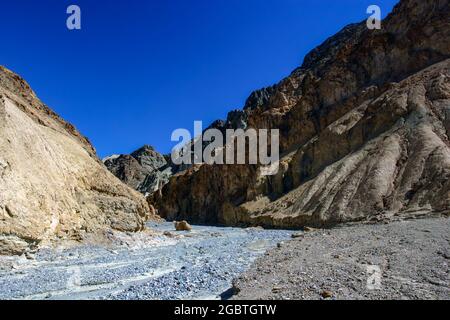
(231, 147)
(374, 21)
(73, 22)
(74, 280)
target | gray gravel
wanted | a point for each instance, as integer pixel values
(196, 265)
(411, 258)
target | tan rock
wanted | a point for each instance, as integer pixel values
(277, 289)
(168, 234)
(182, 226)
(326, 294)
(52, 186)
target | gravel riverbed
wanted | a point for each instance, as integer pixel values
(189, 265)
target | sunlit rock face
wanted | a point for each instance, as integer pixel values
(364, 126)
(52, 185)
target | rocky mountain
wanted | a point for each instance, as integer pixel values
(364, 126)
(144, 170)
(52, 185)
(147, 171)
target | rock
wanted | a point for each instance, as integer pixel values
(144, 170)
(259, 98)
(147, 171)
(29, 256)
(364, 133)
(149, 158)
(277, 290)
(182, 226)
(52, 185)
(326, 294)
(297, 235)
(14, 245)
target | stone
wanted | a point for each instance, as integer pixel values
(326, 294)
(182, 226)
(277, 290)
(168, 234)
(52, 185)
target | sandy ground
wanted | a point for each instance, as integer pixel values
(401, 260)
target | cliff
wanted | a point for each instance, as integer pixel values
(364, 126)
(52, 185)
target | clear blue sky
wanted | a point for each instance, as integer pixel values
(140, 69)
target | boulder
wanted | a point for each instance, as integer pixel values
(182, 226)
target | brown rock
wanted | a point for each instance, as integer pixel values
(182, 226)
(365, 133)
(326, 294)
(144, 170)
(277, 290)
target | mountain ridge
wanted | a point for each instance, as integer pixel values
(326, 110)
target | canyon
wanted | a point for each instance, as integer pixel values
(363, 179)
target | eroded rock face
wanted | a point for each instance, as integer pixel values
(364, 126)
(52, 186)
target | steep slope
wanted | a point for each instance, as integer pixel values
(52, 186)
(364, 133)
(147, 171)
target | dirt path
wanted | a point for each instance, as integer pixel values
(411, 257)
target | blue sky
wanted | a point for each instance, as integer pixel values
(140, 69)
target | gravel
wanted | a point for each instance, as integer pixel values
(181, 265)
(412, 257)
(401, 260)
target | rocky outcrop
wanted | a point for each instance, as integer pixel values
(52, 185)
(144, 170)
(364, 126)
